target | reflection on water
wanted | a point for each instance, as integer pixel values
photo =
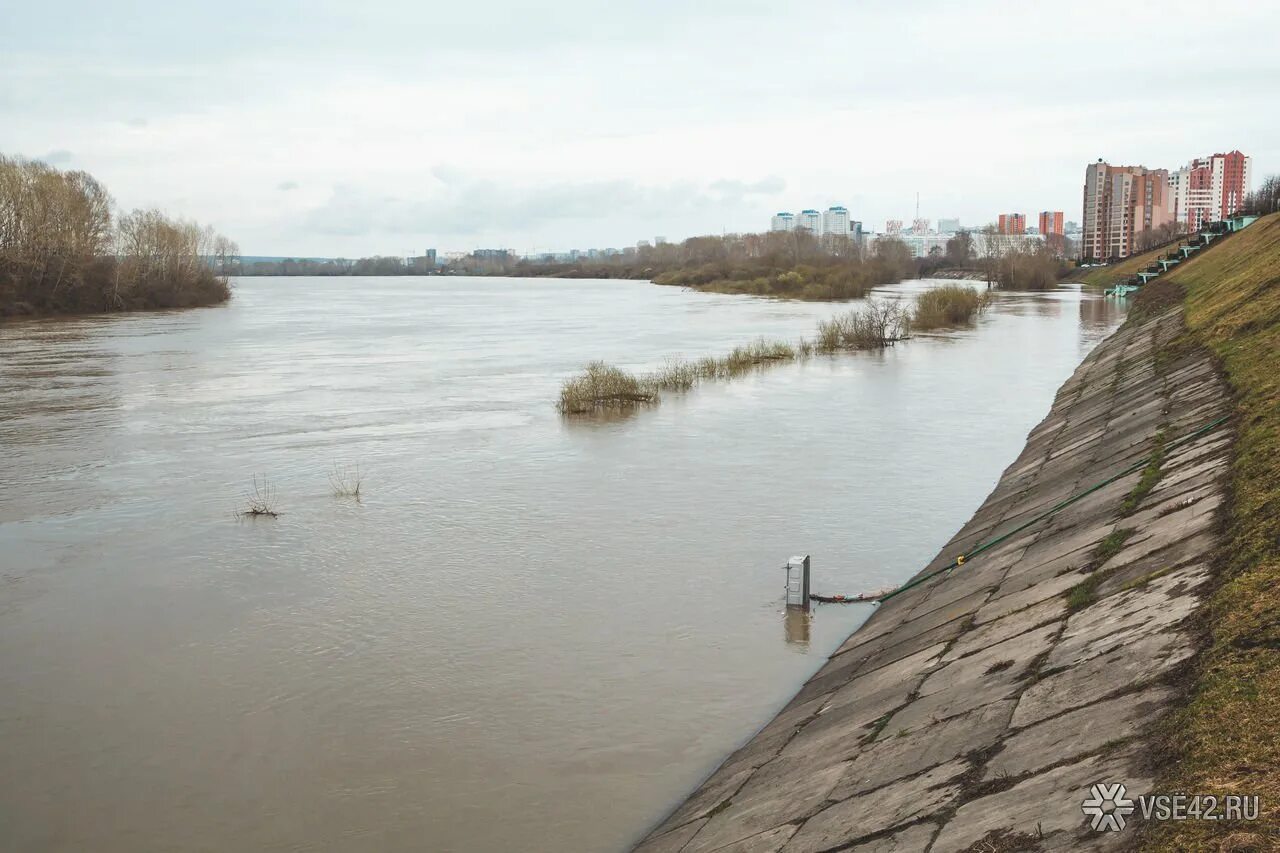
(798, 626)
(529, 633)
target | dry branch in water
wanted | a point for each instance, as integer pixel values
(346, 480)
(262, 500)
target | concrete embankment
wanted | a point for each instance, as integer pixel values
(976, 710)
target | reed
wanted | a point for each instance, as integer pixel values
(603, 386)
(261, 500)
(876, 325)
(949, 305)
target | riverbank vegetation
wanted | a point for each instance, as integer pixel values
(603, 386)
(63, 249)
(790, 264)
(949, 305)
(1226, 739)
(875, 325)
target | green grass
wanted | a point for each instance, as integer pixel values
(1150, 476)
(1226, 739)
(1111, 545)
(1140, 582)
(1085, 593)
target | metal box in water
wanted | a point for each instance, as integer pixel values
(798, 582)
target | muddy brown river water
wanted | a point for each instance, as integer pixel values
(530, 634)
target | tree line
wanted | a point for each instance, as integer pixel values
(64, 250)
(1265, 199)
(376, 265)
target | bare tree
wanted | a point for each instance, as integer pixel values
(60, 249)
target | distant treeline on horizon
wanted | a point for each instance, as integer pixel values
(794, 264)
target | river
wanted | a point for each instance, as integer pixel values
(529, 633)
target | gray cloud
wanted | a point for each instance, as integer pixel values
(286, 186)
(60, 157)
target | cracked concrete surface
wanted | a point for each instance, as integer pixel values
(988, 700)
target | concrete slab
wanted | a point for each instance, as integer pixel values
(770, 841)
(670, 842)
(710, 794)
(1078, 732)
(1102, 676)
(1003, 605)
(1047, 803)
(898, 757)
(1121, 619)
(914, 839)
(971, 682)
(875, 812)
(998, 630)
(767, 803)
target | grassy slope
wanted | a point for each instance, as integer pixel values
(1107, 276)
(1227, 738)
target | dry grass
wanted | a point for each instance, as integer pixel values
(744, 359)
(876, 325)
(346, 480)
(602, 386)
(261, 499)
(1226, 739)
(949, 305)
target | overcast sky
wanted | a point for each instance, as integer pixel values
(332, 128)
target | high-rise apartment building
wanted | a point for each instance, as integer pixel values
(782, 222)
(948, 226)
(1051, 222)
(1012, 223)
(1210, 189)
(836, 221)
(893, 227)
(810, 220)
(1121, 202)
(920, 227)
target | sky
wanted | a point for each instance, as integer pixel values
(324, 128)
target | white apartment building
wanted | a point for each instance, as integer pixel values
(782, 222)
(810, 220)
(836, 221)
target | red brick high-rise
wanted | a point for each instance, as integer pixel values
(1012, 223)
(1051, 223)
(1210, 189)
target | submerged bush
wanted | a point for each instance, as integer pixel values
(949, 305)
(675, 375)
(602, 386)
(875, 325)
